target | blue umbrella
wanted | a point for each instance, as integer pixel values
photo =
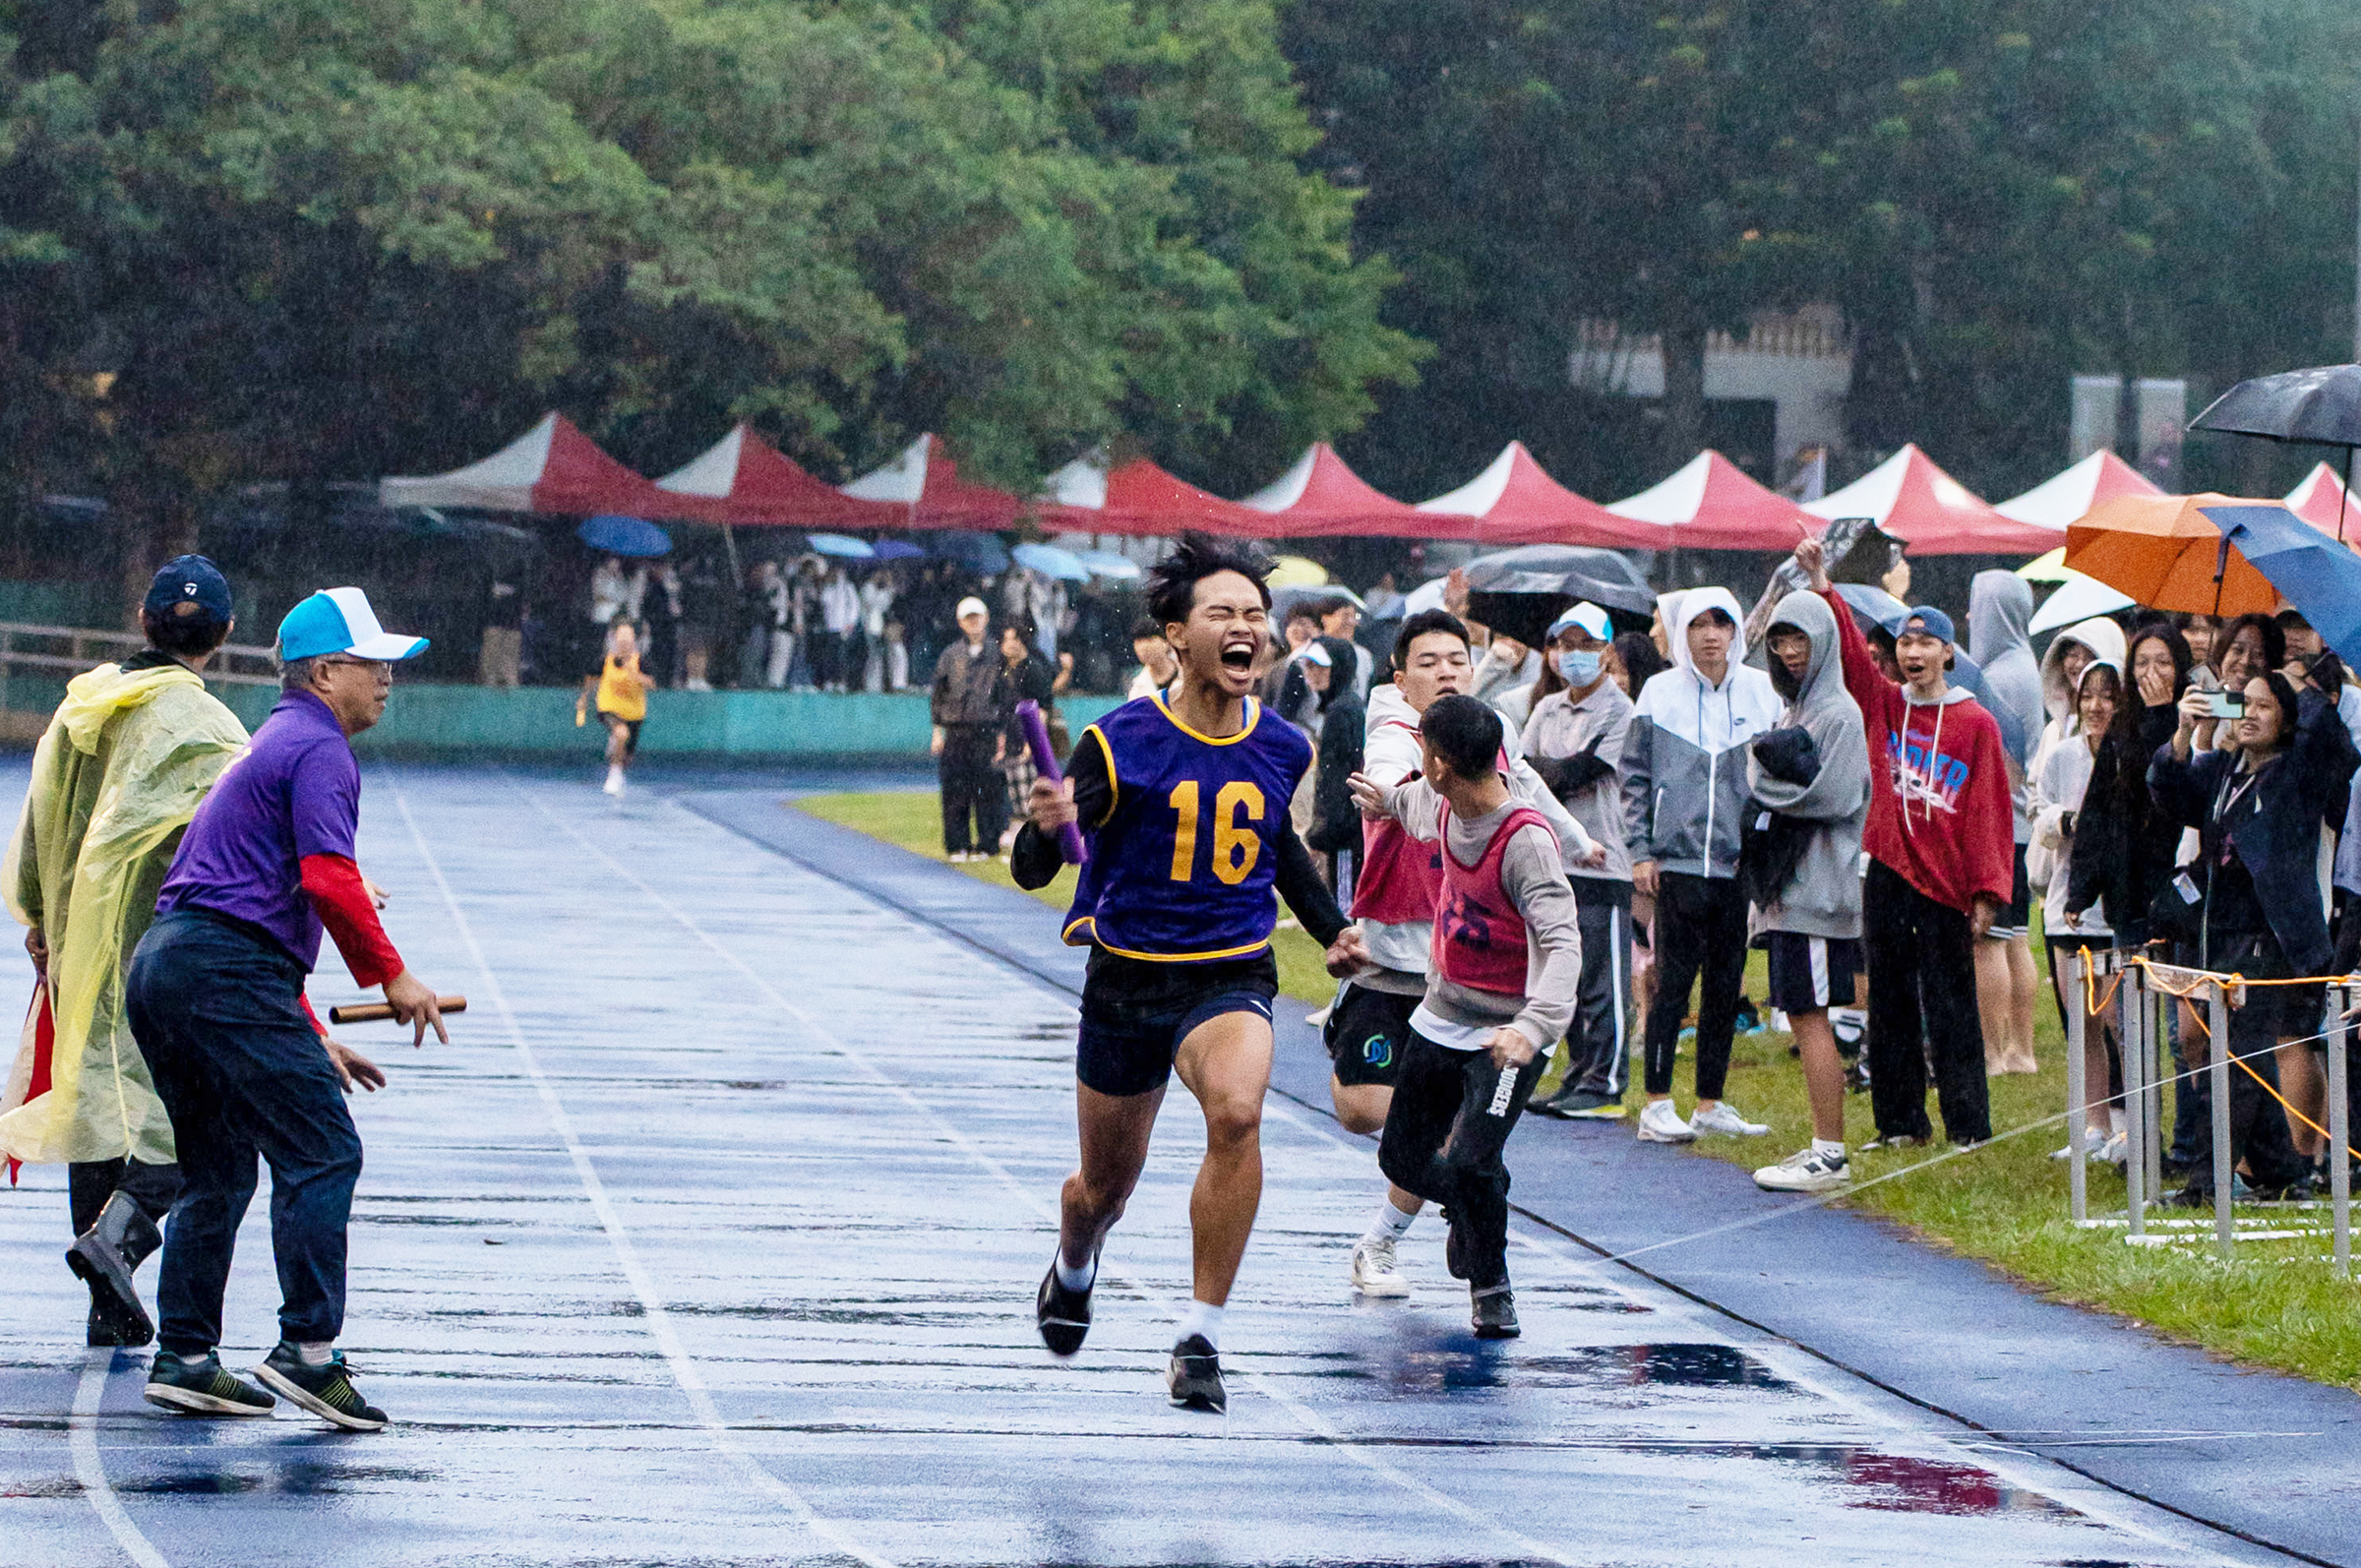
(897, 550)
(1108, 564)
(1052, 562)
(838, 544)
(2314, 572)
(619, 535)
(978, 552)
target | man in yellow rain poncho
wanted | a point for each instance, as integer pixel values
(130, 754)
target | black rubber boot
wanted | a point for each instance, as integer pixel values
(104, 1257)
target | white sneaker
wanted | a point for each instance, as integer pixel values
(1807, 1170)
(1661, 1124)
(1373, 1270)
(613, 784)
(2118, 1149)
(2093, 1146)
(1720, 1118)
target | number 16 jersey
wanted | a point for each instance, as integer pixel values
(1183, 867)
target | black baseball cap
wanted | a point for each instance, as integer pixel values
(187, 588)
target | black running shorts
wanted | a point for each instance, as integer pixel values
(1366, 1034)
(2017, 919)
(1809, 973)
(1137, 1014)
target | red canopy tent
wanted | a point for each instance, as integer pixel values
(1932, 512)
(743, 480)
(1514, 501)
(552, 468)
(1711, 503)
(2320, 502)
(1139, 499)
(1321, 498)
(923, 487)
(2065, 499)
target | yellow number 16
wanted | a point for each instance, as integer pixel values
(1235, 848)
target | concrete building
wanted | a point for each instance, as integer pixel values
(1772, 391)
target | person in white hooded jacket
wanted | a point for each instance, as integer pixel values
(1684, 793)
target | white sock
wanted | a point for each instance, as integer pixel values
(1388, 1224)
(314, 1353)
(1203, 1319)
(1835, 1150)
(1081, 1279)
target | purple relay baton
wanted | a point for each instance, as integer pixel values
(1045, 762)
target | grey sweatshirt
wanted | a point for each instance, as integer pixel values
(1536, 883)
(1561, 728)
(1825, 897)
(2000, 605)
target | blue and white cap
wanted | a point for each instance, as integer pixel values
(340, 621)
(1587, 616)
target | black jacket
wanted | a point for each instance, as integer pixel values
(2276, 826)
(1335, 819)
(2123, 847)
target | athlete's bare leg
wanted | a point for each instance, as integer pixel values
(1361, 1107)
(1114, 1149)
(1226, 1062)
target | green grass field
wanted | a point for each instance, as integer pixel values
(2277, 1305)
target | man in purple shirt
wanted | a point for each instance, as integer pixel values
(215, 1000)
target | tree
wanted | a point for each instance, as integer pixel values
(317, 239)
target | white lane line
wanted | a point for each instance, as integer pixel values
(82, 1438)
(1025, 1195)
(685, 1370)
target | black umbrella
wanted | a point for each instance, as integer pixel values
(2320, 407)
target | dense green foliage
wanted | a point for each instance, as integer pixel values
(337, 238)
(1995, 192)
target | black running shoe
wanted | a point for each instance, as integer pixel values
(1063, 1315)
(198, 1386)
(1455, 1253)
(326, 1390)
(1194, 1379)
(1495, 1313)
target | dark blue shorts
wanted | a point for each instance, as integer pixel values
(1135, 1015)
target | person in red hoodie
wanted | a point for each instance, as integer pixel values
(1942, 863)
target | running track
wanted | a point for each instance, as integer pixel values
(712, 1239)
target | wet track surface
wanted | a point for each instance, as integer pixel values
(712, 1239)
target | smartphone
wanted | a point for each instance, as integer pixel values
(2225, 704)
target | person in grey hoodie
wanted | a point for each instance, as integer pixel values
(1575, 743)
(1810, 779)
(2000, 605)
(1684, 793)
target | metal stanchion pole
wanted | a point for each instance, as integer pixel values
(2160, 1066)
(2132, 1036)
(2340, 1170)
(2078, 1091)
(2217, 1070)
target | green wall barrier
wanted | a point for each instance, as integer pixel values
(539, 720)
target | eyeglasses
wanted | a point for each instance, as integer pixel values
(380, 668)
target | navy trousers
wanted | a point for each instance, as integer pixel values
(216, 1007)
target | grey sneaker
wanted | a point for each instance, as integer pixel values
(1494, 1311)
(326, 1390)
(197, 1385)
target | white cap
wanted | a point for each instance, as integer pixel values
(970, 605)
(1587, 616)
(1313, 654)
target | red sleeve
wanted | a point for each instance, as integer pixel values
(311, 1017)
(1989, 817)
(333, 884)
(1877, 696)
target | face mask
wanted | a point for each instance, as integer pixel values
(1579, 668)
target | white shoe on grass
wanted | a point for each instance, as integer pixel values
(1718, 1118)
(1660, 1123)
(1375, 1273)
(1807, 1170)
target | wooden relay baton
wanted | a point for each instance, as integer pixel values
(377, 1013)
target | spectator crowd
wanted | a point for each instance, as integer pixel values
(1871, 801)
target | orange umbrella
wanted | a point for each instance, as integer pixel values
(2166, 553)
